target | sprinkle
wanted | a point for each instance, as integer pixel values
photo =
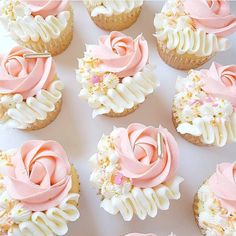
(36, 55)
(95, 79)
(119, 179)
(215, 105)
(160, 145)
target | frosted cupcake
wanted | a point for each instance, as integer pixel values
(115, 74)
(204, 110)
(115, 14)
(45, 25)
(38, 190)
(189, 32)
(134, 171)
(215, 202)
(30, 93)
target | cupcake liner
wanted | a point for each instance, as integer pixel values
(75, 181)
(124, 113)
(51, 116)
(116, 22)
(54, 46)
(188, 137)
(180, 61)
(196, 213)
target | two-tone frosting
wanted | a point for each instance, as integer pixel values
(28, 87)
(108, 8)
(217, 200)
(115, 74)
(204, 105)
(35, 20)
(35, 195)
(130, 176)
(179, 31)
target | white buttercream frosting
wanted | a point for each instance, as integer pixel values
(108, 8)
(212, 217)
(20, 113)
(211, 119)
(112, 94)
(49, 223)
(175, 28)
(22, 25)
(125, 198)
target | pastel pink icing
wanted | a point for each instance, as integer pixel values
(46, 8)
(137, 150)
(25, 76)
(211, 15)
(136, 234)
(40, 177)
(121, 54)
(223, 185)
(220, 81)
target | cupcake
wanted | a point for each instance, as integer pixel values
(39, 190)
(115, 74)
(30, 93)
(204, 110)
(45, 25)
(114, 15)
(189, 33)
(134, 171)
(215, 202)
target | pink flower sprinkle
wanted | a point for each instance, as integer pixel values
(215, 105)
(119, 179)
(95, 79)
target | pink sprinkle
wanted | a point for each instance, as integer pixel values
(119, 179)
(208, 99)
(215, 105)
(95, 79)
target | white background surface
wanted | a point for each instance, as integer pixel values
(79, 133)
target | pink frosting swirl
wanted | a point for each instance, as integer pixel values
(220, 81)
(40, 177)
(223, 185)
(25, 76)
(211, 15)
(121, 54)
(137, 148)
(46, 8)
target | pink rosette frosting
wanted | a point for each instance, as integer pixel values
(46, 8)
(25, 76)
(137, 149)
(223, 185)
(220, 81)
(211, 15)
(40, 177)
(121, 54)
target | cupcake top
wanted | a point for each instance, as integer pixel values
(195, 27)
(35, 20)
(114, 74)
(108, 8)
(36, 184)
(217, 201)
(139, 164)
(205, 104)
(28, 87)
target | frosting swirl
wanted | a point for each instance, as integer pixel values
(40, 176)
(121, 54)
(25, 76)
(46, 7)
(223, 185)
(137, 148)
(211, 15)
(220, 81)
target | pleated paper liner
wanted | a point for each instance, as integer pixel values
(54, 46)
(122, 114)
(116, 22)
(180, 61)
